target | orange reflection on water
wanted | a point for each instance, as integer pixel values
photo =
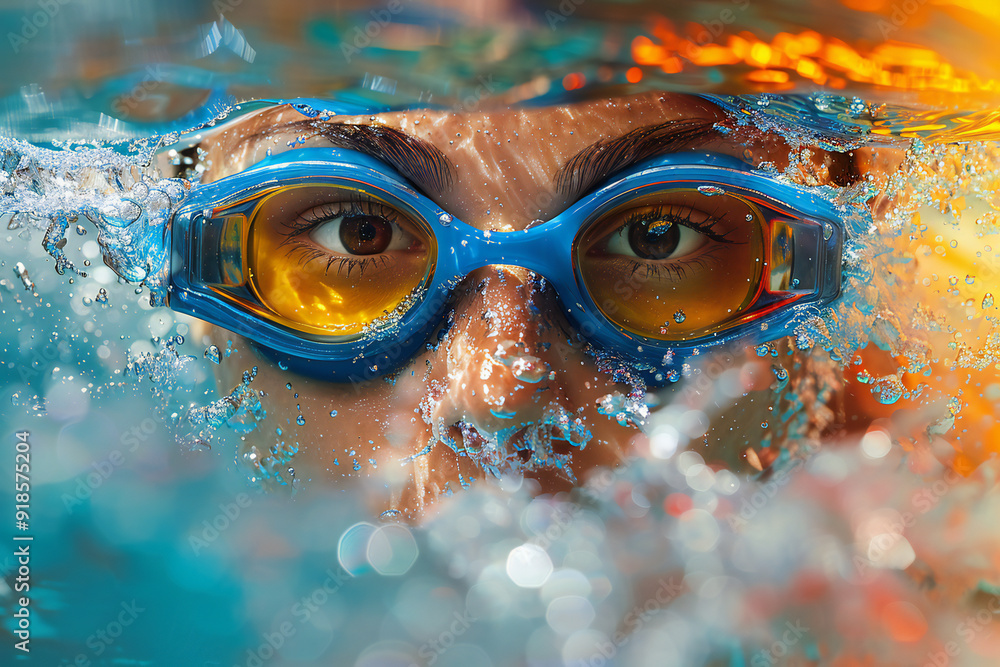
(806, 56)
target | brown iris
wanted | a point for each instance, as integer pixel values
(663, 267)
(653, 239)
(368, 258)
(365, 234)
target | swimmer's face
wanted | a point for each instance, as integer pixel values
(504, 166)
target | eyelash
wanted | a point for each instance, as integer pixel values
(354, 205)
(678, 268)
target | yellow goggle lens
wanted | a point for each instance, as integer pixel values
(330, 260)
(676, 264)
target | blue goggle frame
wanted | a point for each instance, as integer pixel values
(208, 279)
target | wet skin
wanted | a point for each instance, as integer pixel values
(506, 164)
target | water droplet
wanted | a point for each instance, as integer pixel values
(212, 354)
(987, 301)
(102, 295)
(763, 424)
(952, 280)
(445, 219)
(22, 273)
(970, 280)
(888, 389)
(749, 217)
(288, 385)
(300, 420)
(827, 230)
(679, 316)
(864, 377)
(333, 413)
(710, 190)
(763, 350)
(780, 374)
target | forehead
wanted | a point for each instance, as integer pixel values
(554, 130)
(505, 161)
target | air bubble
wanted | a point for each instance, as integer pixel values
(781, 375)
(888, 389)
(213, 354)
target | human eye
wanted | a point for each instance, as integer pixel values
(331, 260)
(665, 237)
(674, 264)
(351, 235)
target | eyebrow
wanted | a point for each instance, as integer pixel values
(604, 158)
(421, 162)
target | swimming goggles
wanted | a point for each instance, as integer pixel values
(337, 268)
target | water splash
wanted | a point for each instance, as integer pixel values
(122, 196)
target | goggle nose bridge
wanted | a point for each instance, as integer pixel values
(546, 249)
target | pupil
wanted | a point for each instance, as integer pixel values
(654, 239)
(365, 234)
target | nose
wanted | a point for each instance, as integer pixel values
(506, 352)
